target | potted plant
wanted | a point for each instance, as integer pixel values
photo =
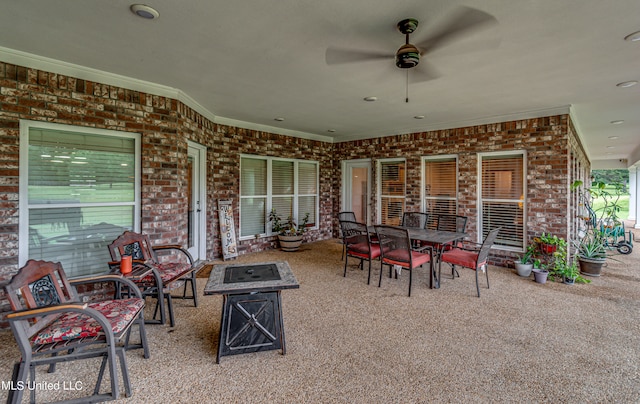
(525, 264)
(290, 234)
(540, 273)
(549, 243)
(591, 248)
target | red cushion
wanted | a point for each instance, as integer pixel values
(361, 250)
(401, 257)
(74, 325)
(460, 257)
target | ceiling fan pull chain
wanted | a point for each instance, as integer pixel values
(407, 88)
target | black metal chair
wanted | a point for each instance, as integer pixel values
(416, 220)
(358, 244)
(455, 223)
(396, 251)
(51, 325)
(345, 216)
(471, 257)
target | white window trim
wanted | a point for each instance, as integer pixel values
(379, 183)
(25, 126)
(506, 153)
(269, 195)
(423, 197)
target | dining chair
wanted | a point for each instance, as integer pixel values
(358, 243)
(345, 216)
(455, 223)
(472, 256)
(51, 325)
(396, 251)
(416, 220)
(176, 269)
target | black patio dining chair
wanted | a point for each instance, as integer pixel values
(472, 256)
(51, 325)
(454, 223)
(345, 216)
(358, 244)
(417, 220)
(396, 252)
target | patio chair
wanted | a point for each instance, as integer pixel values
(472, 256)
(418, 220)
(455, 223)
(176, 270)
(51, 325)
(348, 216)
(396, 251)
(358, 244)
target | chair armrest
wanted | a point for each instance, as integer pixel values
(117, 279)
(43, 311)
(174, 247)
(468, 246)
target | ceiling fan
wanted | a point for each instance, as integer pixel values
(462, 21)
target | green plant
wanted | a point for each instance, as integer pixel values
(550, 239)
(528, 255)
(287, 227)
(537, 264)
(592, 245)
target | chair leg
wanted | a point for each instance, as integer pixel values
(125, 372)
(381, 269)
(486, 272)
(477, 285)
(19, 373)
(172, 321)
(346, 258)
(369, 277)
(193, 288)
(410, 279)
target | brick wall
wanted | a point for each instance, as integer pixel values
(546, 141)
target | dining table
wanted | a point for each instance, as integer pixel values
(438, 239)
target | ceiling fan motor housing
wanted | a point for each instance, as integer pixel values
(407, 56)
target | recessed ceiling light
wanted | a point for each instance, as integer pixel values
(144, 11)
(626, 84)
(331, 130)
(611, 147)
(633, 37)
(278, 119)
(613, 137)
(419, 117)
(618, 122)
(371, 99)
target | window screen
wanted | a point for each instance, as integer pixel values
(440, 188)
(392, 192)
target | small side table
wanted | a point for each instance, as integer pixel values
(252, 318)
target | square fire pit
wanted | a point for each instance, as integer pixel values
(252, 308)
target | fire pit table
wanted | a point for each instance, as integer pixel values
(252, 307)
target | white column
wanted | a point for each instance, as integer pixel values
(633, 193)
(636, 195)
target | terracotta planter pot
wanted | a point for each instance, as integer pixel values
(290, 243)
(591, 266)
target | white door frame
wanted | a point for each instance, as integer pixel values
(347, 166)
(199, 154)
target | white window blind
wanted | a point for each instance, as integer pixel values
(440, 187)
(502, 198)
(81, 194)
(253, 202)
(392, 191)
(288, 186)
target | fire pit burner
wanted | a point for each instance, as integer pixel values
(251, 273)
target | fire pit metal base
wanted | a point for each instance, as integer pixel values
(252, 309)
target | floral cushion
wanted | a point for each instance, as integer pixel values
(74, 325)
(169, 271)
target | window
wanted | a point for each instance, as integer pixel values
(440, 186)
(78, 192)
(391, 191)
(501, 196)
(288, 186)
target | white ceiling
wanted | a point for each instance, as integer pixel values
(246, 62)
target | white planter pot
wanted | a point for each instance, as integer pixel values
(524, 270)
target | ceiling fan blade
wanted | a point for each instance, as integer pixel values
(423, 72)
(334, 56)
(462, 21)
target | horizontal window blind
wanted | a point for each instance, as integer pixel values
(392, 191)
(440, 188)
(502, 198)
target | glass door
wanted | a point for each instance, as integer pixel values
(356, 195)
